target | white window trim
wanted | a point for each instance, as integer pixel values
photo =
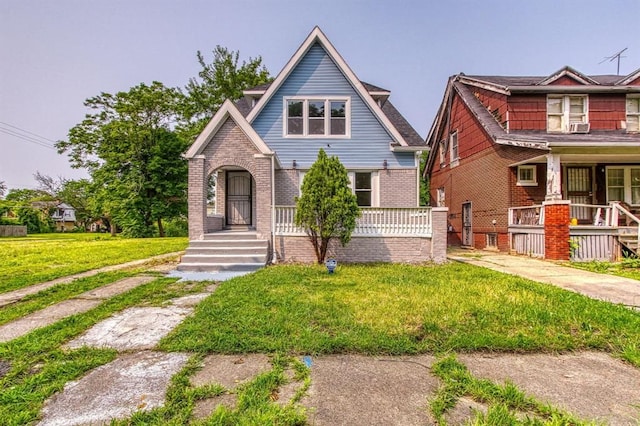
(565, 122)
(375, 185)
(627, 182)
(454, 159)
(443, 154)
(627, 114)
(532, 182)
(305, 116)
(441, 197)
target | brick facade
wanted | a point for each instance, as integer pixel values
(556, 230)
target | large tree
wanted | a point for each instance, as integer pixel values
(327, 208)
(223, 78)
(133, 156)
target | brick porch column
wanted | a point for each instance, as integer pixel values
(556, 229)
(439, 234)
(197, 198)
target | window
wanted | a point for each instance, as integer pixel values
(492, 240)
(633, 113)
(623, 184)
(453, 144)
(527, 176)
(442, 153)
(317, 117)
(564, 110)
(440, 202)
(365, 187)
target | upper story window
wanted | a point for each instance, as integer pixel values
(562, 111)
(442, 153)
(317, 117)
(453, 146)
(633, 113)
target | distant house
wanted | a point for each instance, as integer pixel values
(64, 217)
(530, 163)
(260, 147)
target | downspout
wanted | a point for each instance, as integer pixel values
(274, 258)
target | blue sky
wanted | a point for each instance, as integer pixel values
(55, 54)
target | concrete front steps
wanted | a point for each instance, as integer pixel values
(225, 251)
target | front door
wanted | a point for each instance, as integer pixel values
(238, 198)
(580, 191)
(467, 233)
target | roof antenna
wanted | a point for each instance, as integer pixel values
(614, 56)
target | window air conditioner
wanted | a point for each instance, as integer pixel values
(579, 128)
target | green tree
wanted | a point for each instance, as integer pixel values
(78, 194)
(133, 156)
(327, 208)
(223, 78)
(3, 188)
(425, 198)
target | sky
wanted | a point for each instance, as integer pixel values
(56, 54)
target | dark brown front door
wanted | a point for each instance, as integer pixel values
(580, 191)
(238, 198)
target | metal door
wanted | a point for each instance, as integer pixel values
(580, 191)
(238, 198)
(467, 232)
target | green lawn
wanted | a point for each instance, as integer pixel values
(401, 309)
(43, 257)
(628, 268)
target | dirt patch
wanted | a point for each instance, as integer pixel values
(359, 390)
(5, 366)
(590, 385)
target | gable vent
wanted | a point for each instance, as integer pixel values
(579, 127)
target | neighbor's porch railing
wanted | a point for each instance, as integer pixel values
(527, 216)
(374, 221)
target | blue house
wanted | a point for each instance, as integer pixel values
(258, 149)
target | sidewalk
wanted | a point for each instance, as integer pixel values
(605, 287)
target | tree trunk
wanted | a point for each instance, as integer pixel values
(113, 228)
(160, 228)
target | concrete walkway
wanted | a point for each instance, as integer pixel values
(605, 287)
(17, 295)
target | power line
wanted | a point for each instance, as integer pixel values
(26, 138)
(26, 135)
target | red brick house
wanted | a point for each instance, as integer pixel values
(518, 158)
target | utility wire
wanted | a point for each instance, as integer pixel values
(26, 135)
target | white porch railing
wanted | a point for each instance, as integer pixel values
(374, 221)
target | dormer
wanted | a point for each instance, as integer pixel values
(567, 76)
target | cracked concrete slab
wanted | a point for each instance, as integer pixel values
(591, 385)
(230, 370)
(116, 288)
(132, 382)
(360, 390)
(133, 328)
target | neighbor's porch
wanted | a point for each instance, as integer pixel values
(611, 232)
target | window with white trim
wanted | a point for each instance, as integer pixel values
(317, 117)
(527, 176)
(563, 110)
(453, 147)
(633, 113)
(623, 184)
(442, 153)
(365, 187)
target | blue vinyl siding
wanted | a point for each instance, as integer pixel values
(317, 75)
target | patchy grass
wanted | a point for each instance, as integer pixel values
(38, 366)
(43, 257)
(507, 405)
(628, 268)
(401, 309)
(255, 400)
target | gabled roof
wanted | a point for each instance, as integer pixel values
(317, 36)
(629, 78)
(227, 110)
(568, 72)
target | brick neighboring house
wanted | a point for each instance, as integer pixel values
(567, 145)
(259, 148)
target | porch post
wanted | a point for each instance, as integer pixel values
(556, 229)
(197, 196)
(554, 191)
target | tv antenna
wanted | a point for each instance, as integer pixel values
(614, 56)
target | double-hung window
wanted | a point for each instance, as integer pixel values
(453, 147)
(623, 184)
(317, 117)
(365, 187)
(564, 110)
(633, 113)
(527, 176)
